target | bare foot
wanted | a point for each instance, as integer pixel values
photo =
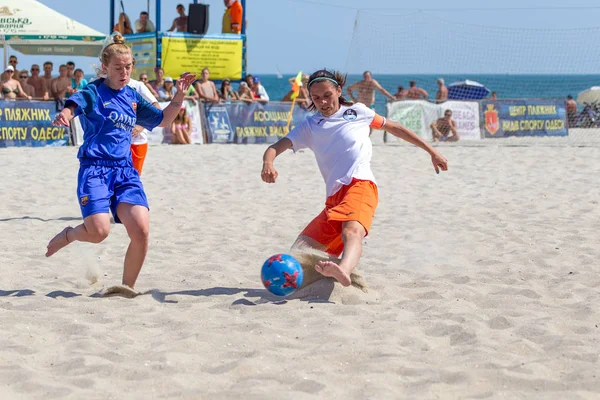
(121, 290)
(332, 270)
(58, 242)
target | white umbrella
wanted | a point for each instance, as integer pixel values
(589, 95)
(30, 27)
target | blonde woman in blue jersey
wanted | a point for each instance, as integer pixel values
(338, 134)
(107, 180)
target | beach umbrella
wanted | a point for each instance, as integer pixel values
(467, 90)
(31, 27)
(589, 95)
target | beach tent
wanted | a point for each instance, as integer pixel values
(30, 27)
(589, 95)
(467, 90)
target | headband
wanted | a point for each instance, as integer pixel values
(322, 78)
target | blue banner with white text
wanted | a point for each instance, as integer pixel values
(245, 123)
(29, 124)
(503, 118)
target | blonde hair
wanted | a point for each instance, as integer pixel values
(116, 48)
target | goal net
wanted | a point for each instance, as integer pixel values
(502, 82)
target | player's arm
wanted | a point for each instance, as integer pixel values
(138, 128)
(384, 92)
(438, 161)
(172, 28)
(171, 111)
(64, 117)
(269, 173)
(424, 93)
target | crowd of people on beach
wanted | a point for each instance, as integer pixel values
(35, 84)
(40, 84)
(43, 85)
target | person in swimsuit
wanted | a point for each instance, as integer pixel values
(11, 88)
(206, 89)
(226, 93)
(366, 91)
(180, 23)
(181, 128)
(442, 128)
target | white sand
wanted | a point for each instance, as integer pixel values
(484, 282)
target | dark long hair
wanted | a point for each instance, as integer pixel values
(334, 77)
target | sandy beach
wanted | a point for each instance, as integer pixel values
(482, 282)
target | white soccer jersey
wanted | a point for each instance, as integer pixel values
(341, 144)
(143, 90)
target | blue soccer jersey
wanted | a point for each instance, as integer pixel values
(106, 174)
(108, 116)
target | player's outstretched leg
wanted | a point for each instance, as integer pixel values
(352, 235)
(95, 229)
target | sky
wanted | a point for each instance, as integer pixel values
(388, 36)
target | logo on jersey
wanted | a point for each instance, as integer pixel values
(84, 200)
(134, 105)
(122, 121)
(320, 121)
(106, 103)
(350, 115)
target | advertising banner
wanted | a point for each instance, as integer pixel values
(416, 115)
(243, 123)
(29, 123)
(143, 47)
(503, 118)
(221, 54)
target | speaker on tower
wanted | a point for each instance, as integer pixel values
(198, 19)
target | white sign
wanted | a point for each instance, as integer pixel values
(418, 115)
(466, 116)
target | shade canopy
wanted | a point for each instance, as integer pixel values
(589, 96)
(30, 27)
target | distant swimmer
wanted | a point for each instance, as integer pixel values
(366, 91)
(401, 93)
(442, 93)
(571, 111)
(416, 93)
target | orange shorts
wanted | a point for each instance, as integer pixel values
(354, 202)
(138, 155)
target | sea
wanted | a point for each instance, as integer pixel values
(506, 86)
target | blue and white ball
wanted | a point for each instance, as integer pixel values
(282, 274)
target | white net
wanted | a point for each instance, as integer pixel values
(530, 71)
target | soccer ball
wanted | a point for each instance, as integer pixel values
(282, 274)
